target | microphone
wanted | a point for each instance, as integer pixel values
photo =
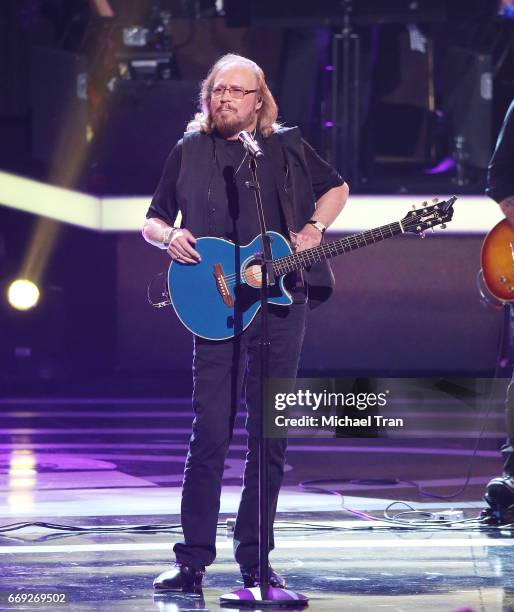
(251, 145)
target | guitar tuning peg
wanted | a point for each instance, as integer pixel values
(413, 207)
(435, 200)
(424, 203)
(443, 226)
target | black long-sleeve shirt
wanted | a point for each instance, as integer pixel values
(500, 173)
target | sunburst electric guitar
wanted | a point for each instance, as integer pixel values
(218, 297)
(498, 262)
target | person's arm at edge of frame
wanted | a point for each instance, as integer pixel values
(507, 206)
(500, 172)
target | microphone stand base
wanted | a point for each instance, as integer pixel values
(254, 598)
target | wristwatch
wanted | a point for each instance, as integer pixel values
(318, 225)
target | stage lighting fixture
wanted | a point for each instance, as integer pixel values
(135, 36)
(23, 294)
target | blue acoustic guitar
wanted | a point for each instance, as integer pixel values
(218, 297)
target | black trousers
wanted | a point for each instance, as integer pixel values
(508, 447)
(221, 372)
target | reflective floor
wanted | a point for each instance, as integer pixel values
(106, 463)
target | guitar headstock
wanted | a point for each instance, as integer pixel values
(427, 217)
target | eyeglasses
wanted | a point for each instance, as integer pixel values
(238, 93)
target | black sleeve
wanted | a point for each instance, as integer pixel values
(500, 173)
(164, 203)
(324, 177)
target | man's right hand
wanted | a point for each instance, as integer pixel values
(180, 247)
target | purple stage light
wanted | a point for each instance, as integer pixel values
(445, 165)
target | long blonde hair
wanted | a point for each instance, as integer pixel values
(267, 116)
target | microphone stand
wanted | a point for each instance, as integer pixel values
(264, 594)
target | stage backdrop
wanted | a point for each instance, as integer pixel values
(402, 306)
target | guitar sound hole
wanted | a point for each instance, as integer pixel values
(253, 274)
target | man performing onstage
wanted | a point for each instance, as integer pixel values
(500, 179)
(204, 178)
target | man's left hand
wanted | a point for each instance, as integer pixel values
(306, 238)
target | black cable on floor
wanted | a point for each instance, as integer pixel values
(311, 485)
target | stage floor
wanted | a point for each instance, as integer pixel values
(106, 462)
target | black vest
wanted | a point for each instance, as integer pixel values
(294, 188)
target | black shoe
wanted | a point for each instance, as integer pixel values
(499, 493)
(180, 578)
(251, 577)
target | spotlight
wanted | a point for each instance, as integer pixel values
(23, 294)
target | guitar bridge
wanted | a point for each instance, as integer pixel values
(221, 285)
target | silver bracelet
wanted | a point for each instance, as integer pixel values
(166, 236)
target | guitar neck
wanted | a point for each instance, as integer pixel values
(283, 265)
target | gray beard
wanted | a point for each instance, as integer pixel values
(228, 129)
